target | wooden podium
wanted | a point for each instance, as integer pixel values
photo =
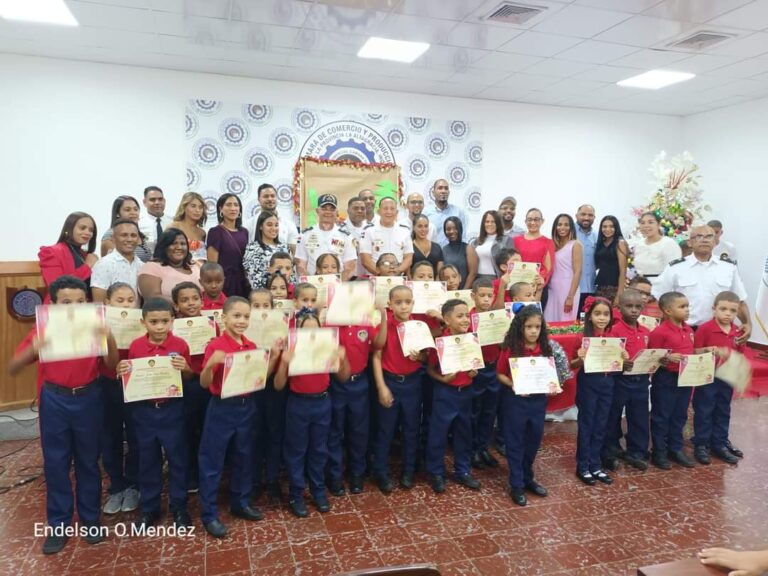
(19, 391)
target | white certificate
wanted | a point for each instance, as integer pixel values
(736, 371)
(463, 295)
(697, 369)
(525, 272)
(350, 304)
(427, 296)
(414, 336)
(313, 351)
(196, 331)
(152, 378)
(125, 325)
(70, 331)
(647, 361)
(383, 284)
(216, 315)
(244, 372)
(649, 322)
(459, 353)
(492, 326)
(603, 354)
(321, 282)
(534, 375)
(267, 326)
(285, 305)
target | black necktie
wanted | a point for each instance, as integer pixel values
(159, 227)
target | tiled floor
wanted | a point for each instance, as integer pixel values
(644, 518)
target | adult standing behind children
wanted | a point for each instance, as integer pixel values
(289, 233)
(386, 237)
(171, 265)
(154, 222)
(227, 242)
(564, 285)
(120, 265)
(441, 210)
(585, 218)
(652, 254)
(190, 218)
(67, 256)
(326, 238)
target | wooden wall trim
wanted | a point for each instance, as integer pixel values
(15, 268)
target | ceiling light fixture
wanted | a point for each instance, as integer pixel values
(655, 79)
(39, 11)
(396, 50)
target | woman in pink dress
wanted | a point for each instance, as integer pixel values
(564, 283)
(533, 247)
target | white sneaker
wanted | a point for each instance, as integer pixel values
(130, 500)
(114, 503)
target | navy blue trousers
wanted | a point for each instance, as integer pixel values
(405, 408)
(268, 442)
(70, 428)
(425, 412)
(228, 432)
(712, 414)
(451, 411)
(196, 400)
(523, 426)
(594, 393)
(669, 411)
(305, 447)
(349, 426)
(485, 405)
(161, 429)
(122, 469)
(630, 394)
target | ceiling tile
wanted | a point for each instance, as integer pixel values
(480, 36)
(451, 58)
(644, 31)
(481, 76)
(116, 17)
(343, 20)
(608, 73)
(456, 10)
(702, 63)
(743, 69)
(753, 16)
(634, 6)
(506, 94)
(415, 28)
(309, 39)
(581, 21)
(699, 11)
(526, 82)
(505, 61)
(753, 45)
(539, 44)
(280, 12)
(594, 52)
(558, 68)
(649, 59)
(489, 6)
(571, 86)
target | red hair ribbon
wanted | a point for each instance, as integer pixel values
(590, 301)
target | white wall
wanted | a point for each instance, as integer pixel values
(731, 147)
(74, 135)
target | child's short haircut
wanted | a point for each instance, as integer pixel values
(380, 261)
(300, 287)
(279, 256)
(630, 294)
(503, 256)
(421, 264)
(185, 286)
(517, 287)
(66, 282)
(322, 257)
(727, 296)
(115, 286)
(484, 282)
(640, 280)
(668, 298)
(399, 288)
(156, 304)
(451, 304)
(232, 300)
(264, 291)
(211, 267)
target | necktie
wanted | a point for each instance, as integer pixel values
(159, 227)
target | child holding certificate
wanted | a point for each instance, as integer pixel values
(501, 285)
(451, 409)
(669, 403)
(277, 286)
(71, 417)
(122, 469)
(308, 416)
(630, 392)
(283, 263)
(212, 281)
(712, 403)
(523, 420)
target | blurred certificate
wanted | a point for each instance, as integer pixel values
(313, 351)
(648, 321)
(244, 372)
(492, 326)
(125, 324)
(459, 353)
(427, 296)
(383, 285)
(522, 272)
(215, 313)
(646, 361)
(70, 331)
(350, 304)
(534, 375)
(196, 331)
(463, 295)
(414, 336)
(697, 369)
(321, 282)
(152, 379)
(603, 354)
(267, 327)
(284, 305)
(736, 371)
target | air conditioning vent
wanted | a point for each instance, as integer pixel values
(511, 13)
(701, 40)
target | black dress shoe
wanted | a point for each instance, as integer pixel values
(298, 507)
(321, 503)
(636, 462)
(610, 463)
(181, 519)
(247, 513)
(356, 485)
(518, 496)
(535, 488)
(489, 459)
(477, 462)
(54, 544)
(725, 455)
(147, 520)
(733, 450)
(702, 455)
(384, 483)
(586, 477)
(682, 459)
(336, 487)
(406, 480)
(661, 461)
(601, 476)
(274, 492)
(94, 534)
(216, 529)
(467, 480)
(438, 484)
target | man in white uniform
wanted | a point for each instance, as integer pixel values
(355, 224)
(387, 237)
(287, 232)
(326, 238)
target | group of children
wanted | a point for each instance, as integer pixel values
(312, 425)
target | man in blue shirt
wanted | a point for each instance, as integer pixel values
(585, 218)
(441, 209)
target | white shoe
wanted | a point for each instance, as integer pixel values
(130, 500)
(114, 503)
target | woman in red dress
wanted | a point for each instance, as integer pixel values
(534, 247)
(67, 255)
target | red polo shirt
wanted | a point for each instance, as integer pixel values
(461, 380)
(217, 304)
(636, 338)
(678, 339)
(110, 373)
(392, 358)
(310, 383)
(142, 347)
(710, 334)
(226, 343)
(68, 373)
(496, 285)
(490, 351)
(502, 366)
(357, 341)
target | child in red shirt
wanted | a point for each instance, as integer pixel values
(212, 281)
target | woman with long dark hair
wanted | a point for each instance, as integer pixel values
(125, 208)
(423, 247)
(489, 243)
(67, 256)
(458, 253)
(611, 254)
(655, 251)
(227, 243)
(563, 300)
(266, 242)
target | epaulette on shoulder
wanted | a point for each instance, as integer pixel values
(724, 258)
(404, 226)
(678, 261)
(344, 231)
(307, 229)
(371, 225)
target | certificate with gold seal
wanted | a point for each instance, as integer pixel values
(463, 295)
(152, 378)
(125, 325)
(285, 305)
(267, 326)
(427, 295)
(459, 353)
(383, 284)
(492, 326)
(647, 361)
(196, 331)
(313, 351)
(697, 369)
(321, 282)
(414, 336)
(525, 272)
(244, 372)
(603, 354)
(215, 313)
(350, 304)
(534, 375)
(648, 321)
(70, 331)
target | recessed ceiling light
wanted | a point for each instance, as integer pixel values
(397, 50)
(40, 11)
(655, 79)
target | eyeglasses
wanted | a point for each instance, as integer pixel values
(703, 237)
(533, 219)
(415, 201)
(441, 187)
